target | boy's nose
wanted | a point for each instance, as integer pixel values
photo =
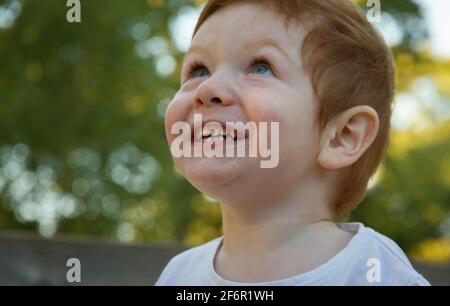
(215, 91)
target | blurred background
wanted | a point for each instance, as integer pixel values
(83, 151)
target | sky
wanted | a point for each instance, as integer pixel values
(437, 15)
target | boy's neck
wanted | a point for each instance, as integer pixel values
(288, 232)
(276, 248)
(270, 227)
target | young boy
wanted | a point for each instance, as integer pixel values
(319, 69)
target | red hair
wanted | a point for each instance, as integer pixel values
(349, 64)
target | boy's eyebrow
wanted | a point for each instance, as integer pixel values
(268, 42)
(192, 49)
(257, 43)
(196, 48)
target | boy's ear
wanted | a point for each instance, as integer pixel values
(347, 136)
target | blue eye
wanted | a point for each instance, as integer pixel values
(260, 66)
(197, 70)
(261, 69)
(200, 73)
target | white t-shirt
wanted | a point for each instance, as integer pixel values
(369, 259)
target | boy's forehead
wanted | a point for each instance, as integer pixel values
(242, 26)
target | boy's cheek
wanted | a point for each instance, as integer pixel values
(262, 108)
(172, 115)
(176, 111)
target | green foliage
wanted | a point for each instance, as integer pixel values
(75, 93)
(411, 203)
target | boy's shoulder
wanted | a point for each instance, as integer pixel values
(192, 262)
(377, 242)
(370, 258)
(192, 255)
(381, 257)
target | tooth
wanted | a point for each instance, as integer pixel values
(205, 133)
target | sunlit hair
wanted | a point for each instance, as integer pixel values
(349, 64)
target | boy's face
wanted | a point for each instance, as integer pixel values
(233, 83)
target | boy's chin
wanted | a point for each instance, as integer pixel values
(214, 172)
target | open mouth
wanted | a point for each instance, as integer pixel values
(214, 134)
(220, 133)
